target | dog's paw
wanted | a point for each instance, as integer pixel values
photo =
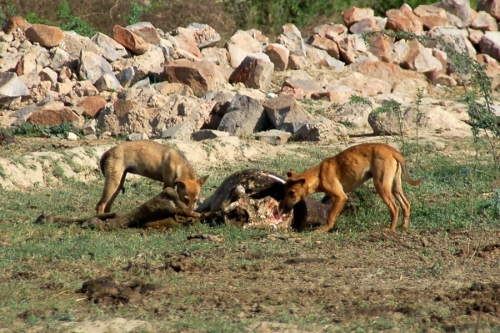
(322, 230)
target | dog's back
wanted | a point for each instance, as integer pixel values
(152, 160)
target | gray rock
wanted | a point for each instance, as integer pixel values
(274, 137)
(244, 117)
(180, 131)
(62, 58)
(137, 136)
(285, 113)
(321, 129)
(144, 83)
(292, 39)
(11, 86)
(92, 67)
(254, 73)
(107, 82)
(112, 50)
(207, 134)
(127, 77)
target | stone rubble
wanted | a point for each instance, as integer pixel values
(144, 83)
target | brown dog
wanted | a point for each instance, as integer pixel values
(149, 159)
(340, 174)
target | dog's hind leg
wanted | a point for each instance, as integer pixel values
(384, 185)
(113, 183)
(397, 190)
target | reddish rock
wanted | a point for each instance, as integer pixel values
(492, 69)
(339, 94)
(146, 31)
(45, 35)
(403, 19)
(296, 92)
(254, 73)
(431, 16)
(334, 32)
(385, 71)
(202, 35)
(440, 78)
(123, 107)
(15, 22)
(380, 47)
(324, 43)
(258, 35)
(351, 47)
(201, 76)
(355, 14)
(92, 105)
(301, 87)
(420, 59)
(367, 24)
(186, 48)
(53, 113)
(175, 88)
(130, 40)
(278, 54)
(298, 62)
(475, 36)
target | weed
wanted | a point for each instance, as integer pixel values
(60, 131)
(136, 11)
(9, 11)
(21, 161)
(72, 22)
(2, 172)
(32, 18)
(391, 107)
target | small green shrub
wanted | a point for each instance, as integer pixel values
(136, 11)
(36, 130)
(71, 22)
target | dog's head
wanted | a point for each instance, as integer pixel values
(189, 189)
(295, 190)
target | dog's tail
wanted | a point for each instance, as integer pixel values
(397, 155)
(102, 162)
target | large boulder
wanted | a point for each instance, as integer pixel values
(45, 35)
(201, 76)
(253, 73)
(286, 114)
(245, 116)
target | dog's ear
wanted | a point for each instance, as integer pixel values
(290, 173)
(202, 180)
(179, 183)
(300, 181)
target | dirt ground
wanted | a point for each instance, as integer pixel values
(433, 281)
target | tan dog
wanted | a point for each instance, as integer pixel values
(149, 159)
(341, 174)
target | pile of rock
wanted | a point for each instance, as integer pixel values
(148, 83)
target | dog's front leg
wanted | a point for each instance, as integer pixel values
(338, 203)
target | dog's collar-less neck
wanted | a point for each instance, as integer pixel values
(312, 175)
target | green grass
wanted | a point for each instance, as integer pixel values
(44, 264)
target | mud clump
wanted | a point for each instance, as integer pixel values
(181, 263)
(105, 291)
